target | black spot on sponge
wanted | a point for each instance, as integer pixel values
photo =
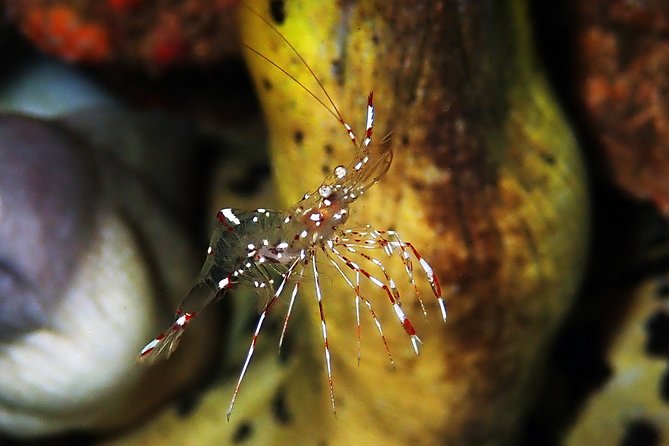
(267, 84)
(252, 179)
(548, 157)
(243, 433)
(298, 137)
(664, 386)
(187, 404)
(641, 433)
(280, 408)
(657, 329)
(287, 349)
(277, 9)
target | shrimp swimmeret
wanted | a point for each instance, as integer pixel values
(272, 250)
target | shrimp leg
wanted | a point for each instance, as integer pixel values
(166, 342)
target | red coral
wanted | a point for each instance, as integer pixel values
(623, 70)
(60, 31)
(122, 6)
(166, 45)
(156, 35)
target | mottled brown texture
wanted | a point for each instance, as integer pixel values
(453, 104)
(622, 72)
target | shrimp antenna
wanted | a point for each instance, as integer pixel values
(334, 111)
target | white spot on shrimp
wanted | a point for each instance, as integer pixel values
(370, 116)
(340, 172)
(427, 268)
(415, 341)
(442, 306)
(150, 346)
(399, 312)
(227, 213)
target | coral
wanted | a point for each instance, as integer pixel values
(60, 30)
(621, 69)
(154, 35)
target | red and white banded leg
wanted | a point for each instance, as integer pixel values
(324, 327)
(290, 309)
(256, 333)
(166, 342)
(429, 272)
(389, 280)
(403, 319)
(373, 239)
(358, 298)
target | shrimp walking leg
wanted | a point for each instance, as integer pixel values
(286, 277)
(368, 304)
(391, 243)
(401, 316)
(326, 346)
(165, 343)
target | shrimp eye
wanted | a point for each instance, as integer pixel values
(340, 172)
(325, 191)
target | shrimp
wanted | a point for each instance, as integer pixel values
(272, 250)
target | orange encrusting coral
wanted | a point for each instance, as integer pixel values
(166, 44)
(155, 36)
(60, 31)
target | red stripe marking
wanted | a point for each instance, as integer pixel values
(408, 327)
